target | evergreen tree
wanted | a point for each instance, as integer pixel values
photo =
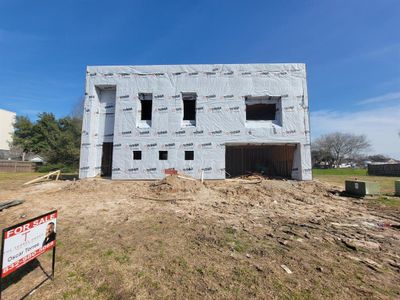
(57, 140)
(22, 136)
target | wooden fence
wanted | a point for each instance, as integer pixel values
(384, 170)
(17, 166)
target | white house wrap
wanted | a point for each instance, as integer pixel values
(243, 118)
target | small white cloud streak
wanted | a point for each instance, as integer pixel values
(384, 51)
(8, 36)
(30, 112)
(380, 125)
(382, 98)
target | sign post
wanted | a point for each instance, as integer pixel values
(23, 242)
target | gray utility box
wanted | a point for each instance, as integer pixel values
(361, 188)
(397, 187)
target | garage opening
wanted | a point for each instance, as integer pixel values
(268, 160)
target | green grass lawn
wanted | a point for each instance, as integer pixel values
(338, 176)
(344, 171)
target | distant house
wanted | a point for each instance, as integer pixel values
(36, 159)
(389, 161)
(7, 118)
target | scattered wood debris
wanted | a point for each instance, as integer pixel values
(286, 269)
(45, 177)
(7, 204)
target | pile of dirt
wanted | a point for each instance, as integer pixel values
(86, 185)
(175, 184)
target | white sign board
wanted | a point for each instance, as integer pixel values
(25, 241)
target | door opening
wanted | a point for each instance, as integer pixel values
(106, 160)
(106, 118)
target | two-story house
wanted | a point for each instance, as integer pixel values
(211, 121)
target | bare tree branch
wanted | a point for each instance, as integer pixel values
(341, 146)
(77, 110)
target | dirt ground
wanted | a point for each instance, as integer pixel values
(181, 239)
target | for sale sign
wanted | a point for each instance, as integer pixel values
(26, 241)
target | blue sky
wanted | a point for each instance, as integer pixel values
(351, 48)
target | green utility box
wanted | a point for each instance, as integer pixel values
(361, 188)
(397, 188)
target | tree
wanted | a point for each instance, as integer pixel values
(67, 148)
(22, 135)
(16, 152)
(378, 158)
(341, 146)
(57, 140)
(320, 157)
(77, 109)
(45, 134)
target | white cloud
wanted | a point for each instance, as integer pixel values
(380, 125)
(382, 98)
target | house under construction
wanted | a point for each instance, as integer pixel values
(215, 121)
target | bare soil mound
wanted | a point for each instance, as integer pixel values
(175, 184)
